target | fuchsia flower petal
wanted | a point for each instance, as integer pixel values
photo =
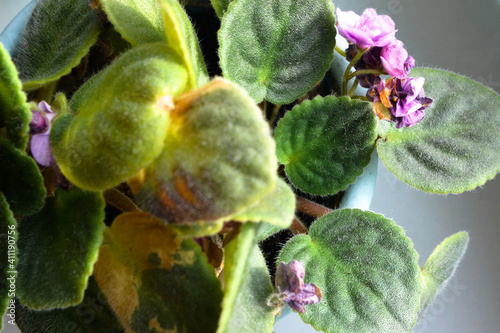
(393, 57)
(40, 127)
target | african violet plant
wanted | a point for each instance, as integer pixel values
(141, 191)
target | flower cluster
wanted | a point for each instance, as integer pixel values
(376, 51)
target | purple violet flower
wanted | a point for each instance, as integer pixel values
(290, 284)
(367, 30)
(401, 101)
(395, 60)
(40, 127)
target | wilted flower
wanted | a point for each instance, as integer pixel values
(290, 284)
(402, 101)
(40, 127)
(367, 30)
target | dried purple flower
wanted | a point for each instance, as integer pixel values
(40, 126)
(367, 30)
(402, 101)
(290, 284)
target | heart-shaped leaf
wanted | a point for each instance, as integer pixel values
(366, 269)
(250, 312)
(57, 249)
(156, 280)
(276, 207)
(218, 158)
(57, 36)
(92, 315)
(20, 180)
(325, 143)
(277, 50)
(122, 118)
(440, 267)
(8, 240)
(15, 114)
(455, 147)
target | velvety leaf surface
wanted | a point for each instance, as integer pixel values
(121, 120)
(20, 180)
(236, 254)
(220, 6)
(156, 280)
(277, 50)
(276, 207)
(57, 249)
(8, 239)
(138, 21)
(58, 35)
(325, 143)
(250, 312)
(455, 147)
(366, 269)
(15, 114)
(182, 37)
(92, 315)
(218, 158)
(267, 230)
(440, 267)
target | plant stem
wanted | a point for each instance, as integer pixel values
(363, 98)
(298, 227)
(340, 51)
(348, 70)
(364, 71)
(311, 208)
(275, 114)
(354, 86)
(119, 200)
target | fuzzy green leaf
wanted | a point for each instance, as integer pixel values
(249, 312)
(277, 50)
(57, 36)
(218, 158)
(60, 244)
(455, 147)
(325, 143)
(138, 21)
(92, 315)
(220, 6)
(121, 120)
(15, 114)
(366, 269)
(8, 240)
(20, 180)
(440, 267)
(267, 230)
(168, 283)
(276, 207)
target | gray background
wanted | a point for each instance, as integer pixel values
(459, 35)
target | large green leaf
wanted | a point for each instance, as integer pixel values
(57, 249)
(276, 207)
(122, 118)
(455, 147)
(20, 180)
(58, 35)
(250, 312)
(277, 50)
(325, 143)
(366, 269)
(155, 280)
(218, 158)
(440, 267)
(182, 37)
(15, 114)
(138, 21)
(8, 240)
(92, 315)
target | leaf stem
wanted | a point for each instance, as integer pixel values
(119, 200)
(311, 208)
(364, 71)
(276, 110)
(354, 86)
(348, 70)
(340, 51)
(298, 227)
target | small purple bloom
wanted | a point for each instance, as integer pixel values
(367, 30)
(40, 126)
(395, 60)
(290, 284)
(402, 101)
